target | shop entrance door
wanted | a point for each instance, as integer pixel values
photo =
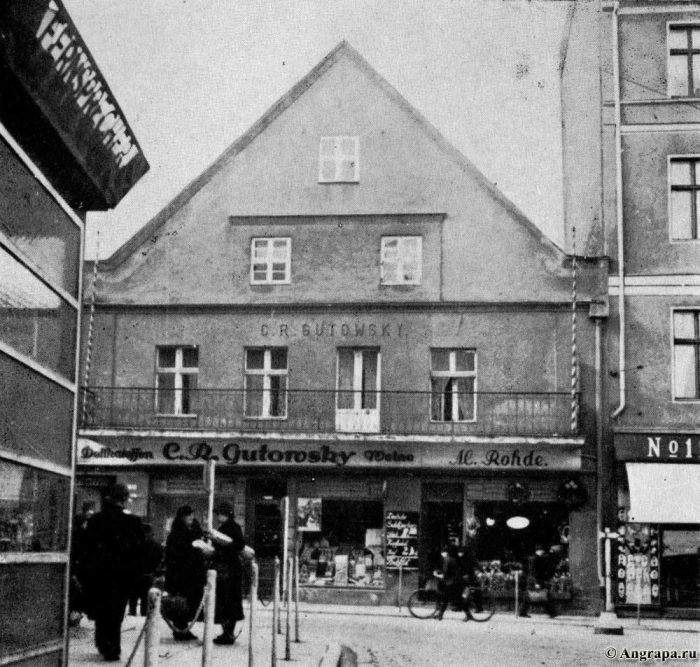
(441, 524)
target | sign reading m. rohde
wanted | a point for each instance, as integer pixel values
(468, 454)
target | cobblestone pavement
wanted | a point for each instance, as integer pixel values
(383, 637)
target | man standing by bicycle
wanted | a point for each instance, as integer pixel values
(451, 582)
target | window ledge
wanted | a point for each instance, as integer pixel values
(173, 416)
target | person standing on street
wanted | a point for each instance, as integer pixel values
(185, 574)
(450, 579)
(113, 551)
(229, 572)
(539, 574)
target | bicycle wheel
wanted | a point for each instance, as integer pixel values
(480, 605)
(423, 603)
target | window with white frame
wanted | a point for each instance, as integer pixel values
(685, 188)
(339, 160)
(452, 385)
(686, 354)
(684, 60)
(177, 368)
(266, 382)
(358, 379)
(401, 260)
(271, 261)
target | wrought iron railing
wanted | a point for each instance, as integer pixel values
(329, 411)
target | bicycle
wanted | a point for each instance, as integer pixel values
(478, 603)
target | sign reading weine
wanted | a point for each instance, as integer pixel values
(481, 455)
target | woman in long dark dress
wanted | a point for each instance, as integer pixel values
(185, 573)
(229, 574)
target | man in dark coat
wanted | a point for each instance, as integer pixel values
(539, 574)
(185, 573)
(113, 550)
(451, 582)
(229, 573)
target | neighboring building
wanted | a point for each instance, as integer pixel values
(342, 311)
(649, 95)
(65, 148)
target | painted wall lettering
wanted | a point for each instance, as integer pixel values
(343, 330)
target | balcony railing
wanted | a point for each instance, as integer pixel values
(329, 411)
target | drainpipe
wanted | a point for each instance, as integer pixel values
(618, 198)
(599, 441)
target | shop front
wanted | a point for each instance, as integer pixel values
(368, 517)
(657, 564)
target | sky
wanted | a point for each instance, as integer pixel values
(193, 75)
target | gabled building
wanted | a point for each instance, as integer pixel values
(344, 313)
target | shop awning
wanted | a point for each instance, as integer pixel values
(664, 492)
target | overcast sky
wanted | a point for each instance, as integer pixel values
(193, 75)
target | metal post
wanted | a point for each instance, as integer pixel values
(638, 577)
(400, 584)
(152, 628)
(275, 611)
(210, 482)
(287, 645)
(251, 614)
(608, 566)
(517, 590)
(209, 607)
(608, 623)
(285, 543)
(296, 594)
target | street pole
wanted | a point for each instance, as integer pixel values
(608, 623)
(209, 483)
(251, 614)
(209, 607)
(152, 628)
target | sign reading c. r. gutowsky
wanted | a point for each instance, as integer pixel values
(498, 454)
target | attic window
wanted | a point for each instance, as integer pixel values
(339, 160)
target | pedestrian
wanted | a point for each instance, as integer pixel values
(77, 606)
(185, 573)
(151, 565)
(113, 553)
(539, 575)
(228, 543)
(450, 579)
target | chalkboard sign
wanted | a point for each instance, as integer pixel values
(402, 540)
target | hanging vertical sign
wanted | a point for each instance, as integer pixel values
(637, 565)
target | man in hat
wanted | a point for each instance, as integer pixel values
(229, 573)
(539, 573)
(113, 545)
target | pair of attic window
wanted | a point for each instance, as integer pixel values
(339, 160)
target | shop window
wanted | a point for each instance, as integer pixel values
(176, 379)
(401, 262)
(266, 383)
(685, 185)
(686, 354)
(339, 160)
(684, 60)
(271, 261)
(34, 319)
(502, 550)
(33, 509)
(680, 566)
(347, 550)
(453, 385)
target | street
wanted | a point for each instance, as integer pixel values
(383, 637)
